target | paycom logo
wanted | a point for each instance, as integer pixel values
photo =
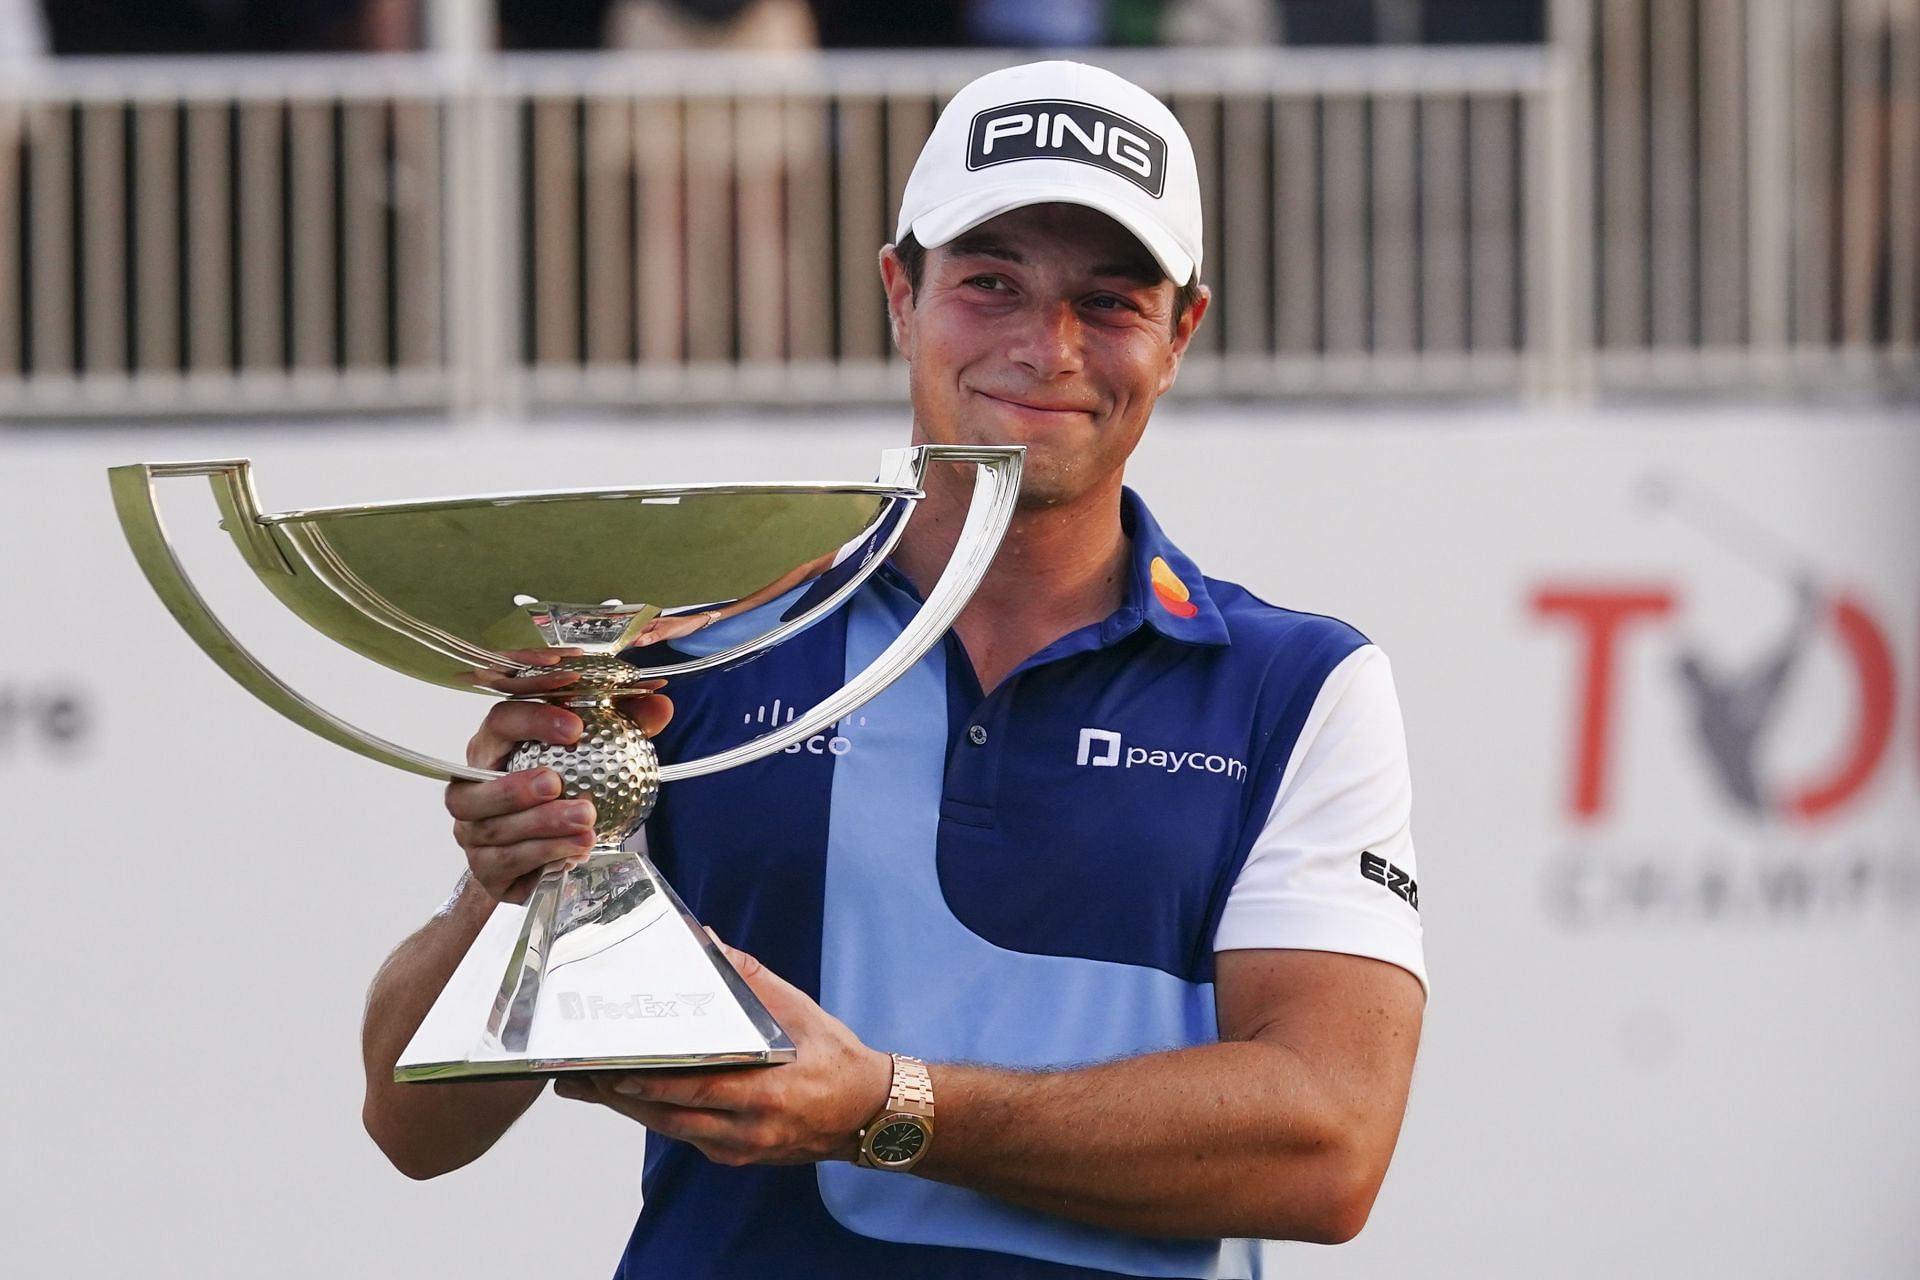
(1106, 749)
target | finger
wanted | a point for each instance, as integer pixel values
(526, 789)
(708, 1090)
(517, 893)
(786, 1002)
(500, 870)
(651, 711)
(672, 1119)
(518, 679)
(541, 657)
(510, 723)
(554, 818)
(749, 966)
(687, 1124)
(521, 684)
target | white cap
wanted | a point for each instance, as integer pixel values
(1065, 133)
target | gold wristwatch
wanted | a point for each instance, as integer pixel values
(900, 1135)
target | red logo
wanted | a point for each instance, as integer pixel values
(1730, 709)
(1170, 591)
(1730, 706)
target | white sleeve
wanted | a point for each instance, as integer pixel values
(1333, 868)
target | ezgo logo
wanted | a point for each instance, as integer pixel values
(1105, 749)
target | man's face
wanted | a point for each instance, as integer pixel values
(1049, 326)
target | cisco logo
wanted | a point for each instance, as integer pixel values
(836, 743)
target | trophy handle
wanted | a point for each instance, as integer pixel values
(133, 500)
(996, 485)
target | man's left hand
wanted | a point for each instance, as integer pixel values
(799, 1112)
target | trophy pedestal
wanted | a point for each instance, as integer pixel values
(603, 969)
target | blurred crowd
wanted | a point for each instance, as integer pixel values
(79, 27)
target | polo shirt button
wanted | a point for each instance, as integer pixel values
(977, 735)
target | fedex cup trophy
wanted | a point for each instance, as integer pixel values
(555, 595)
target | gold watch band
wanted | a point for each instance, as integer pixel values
(909, 1102)
(912, 1085)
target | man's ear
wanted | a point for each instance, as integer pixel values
(1183, 331)
(893, 278)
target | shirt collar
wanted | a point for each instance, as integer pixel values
(1166, 590)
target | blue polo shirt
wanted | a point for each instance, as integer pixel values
(1031, 877)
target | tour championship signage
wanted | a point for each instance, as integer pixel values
(1787, 718)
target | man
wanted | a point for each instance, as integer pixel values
(1126, 862)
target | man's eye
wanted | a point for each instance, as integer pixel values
(1108, 302)
(986, 282)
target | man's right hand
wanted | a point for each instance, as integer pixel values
(513, 827)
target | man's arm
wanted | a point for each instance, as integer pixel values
(430, 1129)
(511, 828)
(1282, 1131)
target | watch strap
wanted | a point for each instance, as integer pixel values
(912, 1086)
(910, 1095)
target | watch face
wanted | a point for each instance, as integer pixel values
(898, 1141)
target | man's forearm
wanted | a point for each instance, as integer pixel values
(429, 1129)
(1235, 1139)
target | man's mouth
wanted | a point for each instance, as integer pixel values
(1031, 405)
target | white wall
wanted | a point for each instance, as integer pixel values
(1665, 1069)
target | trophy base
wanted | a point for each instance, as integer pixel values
(604, 969)
(496, 1072)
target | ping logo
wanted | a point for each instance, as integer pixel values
(1380, 871)
(1105, 749)
(1170, 591)
(1048, 129)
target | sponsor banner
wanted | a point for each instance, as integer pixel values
(1778, 722)
(1661, 677)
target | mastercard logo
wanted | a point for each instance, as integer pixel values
(1173, 594)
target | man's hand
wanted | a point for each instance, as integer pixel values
(799, 1112)
(674, 627)
(513, 827)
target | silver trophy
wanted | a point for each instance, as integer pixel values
(565, 596)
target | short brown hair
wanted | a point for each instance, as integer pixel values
(913, 256)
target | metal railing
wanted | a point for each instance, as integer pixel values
(686, 238)
(1680, 193)
(223, 235)
(1754, 209)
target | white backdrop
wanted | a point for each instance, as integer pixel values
(1672, 1033)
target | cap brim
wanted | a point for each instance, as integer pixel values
(963, 213)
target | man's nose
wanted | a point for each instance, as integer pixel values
(1046, 339)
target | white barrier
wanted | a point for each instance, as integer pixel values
(1672, 1018)
(1696, 194)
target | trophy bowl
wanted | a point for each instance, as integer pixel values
(575, 597)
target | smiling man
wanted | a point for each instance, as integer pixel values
(1098, 940)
